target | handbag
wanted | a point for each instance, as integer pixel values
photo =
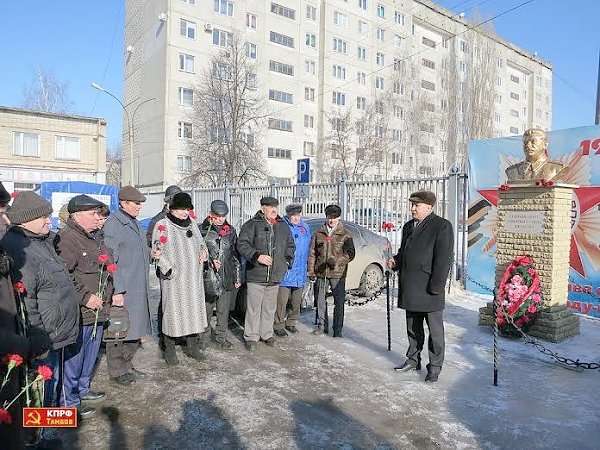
(213, 288)
(117, 327)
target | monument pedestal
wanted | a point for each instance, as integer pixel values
(536, 221)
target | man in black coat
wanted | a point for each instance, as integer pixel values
(423, 262)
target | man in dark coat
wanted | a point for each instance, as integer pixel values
(423, 262)
(267, 245)
(124, 236)
(221, 240)
(87, 259)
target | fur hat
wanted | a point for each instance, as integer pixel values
(181, 200)
(426, 197)
(28, 206)
(333, 211)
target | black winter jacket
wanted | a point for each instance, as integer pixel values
(50, 297)
(259, 237)
(223, 248)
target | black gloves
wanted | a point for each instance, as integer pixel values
(331, 263)
(39, 342)
(313, 278)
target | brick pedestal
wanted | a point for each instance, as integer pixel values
(536, 221)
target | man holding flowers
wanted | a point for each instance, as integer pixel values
(87, 259)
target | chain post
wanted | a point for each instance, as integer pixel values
(495, 315)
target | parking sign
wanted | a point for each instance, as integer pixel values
(304, 170)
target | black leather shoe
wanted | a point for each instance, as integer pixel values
(280, 333)
(337, 334)
(270, 342)
(138, 373)
(125, 380)
(85, 412)
(225, 345)
(250, 346)
(93, 397)
(408, 365)
(291, 329)
(431, 377)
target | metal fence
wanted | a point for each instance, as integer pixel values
(367, 203)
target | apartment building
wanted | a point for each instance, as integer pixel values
(402, 85)
(39, 146)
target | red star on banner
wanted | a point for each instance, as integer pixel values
(586, 223)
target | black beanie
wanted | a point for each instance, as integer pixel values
(28, 206)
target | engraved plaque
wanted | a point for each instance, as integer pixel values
(528, 222)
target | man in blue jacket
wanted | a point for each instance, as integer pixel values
(295, 278)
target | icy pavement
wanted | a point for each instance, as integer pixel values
(318, 392)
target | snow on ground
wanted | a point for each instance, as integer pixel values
(318, 392)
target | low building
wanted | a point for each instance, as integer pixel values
(38, 146)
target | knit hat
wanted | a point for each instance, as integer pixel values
(28, 206)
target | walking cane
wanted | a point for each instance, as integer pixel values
(389, 322)
(495, 314)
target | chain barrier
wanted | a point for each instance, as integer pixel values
(373, 297)
(568, 362)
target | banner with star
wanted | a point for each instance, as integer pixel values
(579, 148)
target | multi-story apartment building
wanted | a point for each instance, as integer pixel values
(370, 88)
(39, 146)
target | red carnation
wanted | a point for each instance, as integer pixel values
(14, 195)
(45, 372)
(14, 359)
(302, 230)
(19, 286)
(103, 258)
(223, 232)
(111, 268)
(162, 240)
(328, 238)
(192, 214)
(161, 228)
(5, 416)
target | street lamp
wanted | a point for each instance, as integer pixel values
(130, 123)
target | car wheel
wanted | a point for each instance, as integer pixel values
(371, 281)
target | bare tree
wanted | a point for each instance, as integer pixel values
(229, 115)
(114, 160)
(46, 93)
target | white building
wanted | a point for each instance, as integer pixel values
(315, 57)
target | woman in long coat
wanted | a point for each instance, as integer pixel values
(182, 255)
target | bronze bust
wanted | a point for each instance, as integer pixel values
(537, 165)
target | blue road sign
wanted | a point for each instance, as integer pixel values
(304, 170)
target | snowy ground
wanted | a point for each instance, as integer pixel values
(318, 392)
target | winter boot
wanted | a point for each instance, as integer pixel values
(192, 344)
(169, 352)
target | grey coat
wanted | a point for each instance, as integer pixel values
(123, 234)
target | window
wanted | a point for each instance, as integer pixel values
(309, 121)
(426, 149)
(538, 96)
(363, 28)
(379, 132)
(444, 105)
(187, 29)
(278, 67)
(310, 40)
(282, 125)
(524, 111)
(220, 135)
(186, 97)
(380, 11)
(251, 21)
(338, 124)
(309, 94)
(380, 34)
(339, 72)
(398, 41)
(514, 130)
(361, 78)
(281, 39)
(395, 157)
(428, 42)
(399, 65)
(249, 139)
(538, 81)
(398, 112)
(499, 63)
(379, 83)
(184, 130)
(184, 163)
(427, 128)
(339, 19)
(67, 147)
(280, 96)
(379, 107)
(186, 63)
(380, 59)
(514, 96)
(310, 67)
(362, 53)
(224, 7)
(428, 85)
(445, 42)
(280, 153)
(360, 128)
(339, 45)
(362, 4)
(283, 11)
(190, 2)
(311, 12)
(514, 113)
(339, 98)
(399, 18)
(251, 50)
(396, 135)
(498, 99)
(221, 71)
(361, 103)
(251, 80)
(222, 38)
(498, 81)
(429, 107)
(309, 148)
(514, 79)
(464, 47)
(428, 63)
(398, 88)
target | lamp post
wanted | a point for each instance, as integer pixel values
(130, 123)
